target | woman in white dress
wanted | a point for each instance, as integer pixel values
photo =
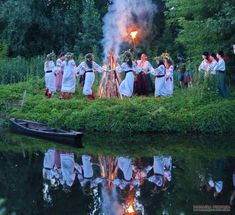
(89, 67)
(59, 71)
(129, 67)
(50, 79)
(160, 77)
(169, 85)
(69, 77)
(142, 80)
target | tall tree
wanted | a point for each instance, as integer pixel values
(91, 32)
(203, 25)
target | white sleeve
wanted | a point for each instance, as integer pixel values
(119, 68)
(97, 67)
(81, 69)
(137, 69)
(158, 71)
(45, 67)
(149, 68)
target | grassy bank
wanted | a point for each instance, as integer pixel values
(189, 111)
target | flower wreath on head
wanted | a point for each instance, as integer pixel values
(166, 55)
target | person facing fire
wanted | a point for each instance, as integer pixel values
(60, 71)
(88, 68)
(142, 80)
(129, 67)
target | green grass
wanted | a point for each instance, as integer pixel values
(14, 70)
(191, 110)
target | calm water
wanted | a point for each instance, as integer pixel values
(115, 175)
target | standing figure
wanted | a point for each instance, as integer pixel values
(129, 67)
(88, 68)
(160, 77)
(50, 79)
(60, 71)
(212, 70)
(169, 85)
(142, 80)
(204, 66)
(69, 77)
(220, 69)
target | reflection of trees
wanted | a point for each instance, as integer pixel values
(20, 181)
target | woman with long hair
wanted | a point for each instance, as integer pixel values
(69, 77)
(129, 67)
(88, 68)
(142, 80)
(60, 71)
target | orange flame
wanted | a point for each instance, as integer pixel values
(130, 209)
(133, 34)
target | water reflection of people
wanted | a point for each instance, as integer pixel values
(51, 173)
(59, 168)
(162, 167)
(86, 174)
(128, 172)
(213, 181)
(232, 197)
(68, 171)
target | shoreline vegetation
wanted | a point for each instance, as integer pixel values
(195, 110)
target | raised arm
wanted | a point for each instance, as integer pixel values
(81, 69)
(97, 67)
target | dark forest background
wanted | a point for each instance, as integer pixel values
(30, 28)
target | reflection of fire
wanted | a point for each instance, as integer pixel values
(133, 34)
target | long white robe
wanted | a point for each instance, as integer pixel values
(69, 77)
(67, 169)
(89, 77)
(50, 78)
(169, 85)
(87, 166)
(127, 85)
(158, 169)
(48, 164)
(204, 67)
(159, 81)
(125, 165)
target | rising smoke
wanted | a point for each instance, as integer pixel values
(124, 16)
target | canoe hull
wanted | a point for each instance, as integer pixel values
(41, 130)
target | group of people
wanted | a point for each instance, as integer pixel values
(61, 76)
(213, 66)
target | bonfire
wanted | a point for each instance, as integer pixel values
(110, 81)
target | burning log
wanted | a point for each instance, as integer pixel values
(110, 81)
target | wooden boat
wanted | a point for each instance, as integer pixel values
(43, 131)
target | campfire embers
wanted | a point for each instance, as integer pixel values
(109, 84)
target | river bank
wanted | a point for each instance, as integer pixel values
(192, 110)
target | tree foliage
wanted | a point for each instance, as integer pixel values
(202, 25)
